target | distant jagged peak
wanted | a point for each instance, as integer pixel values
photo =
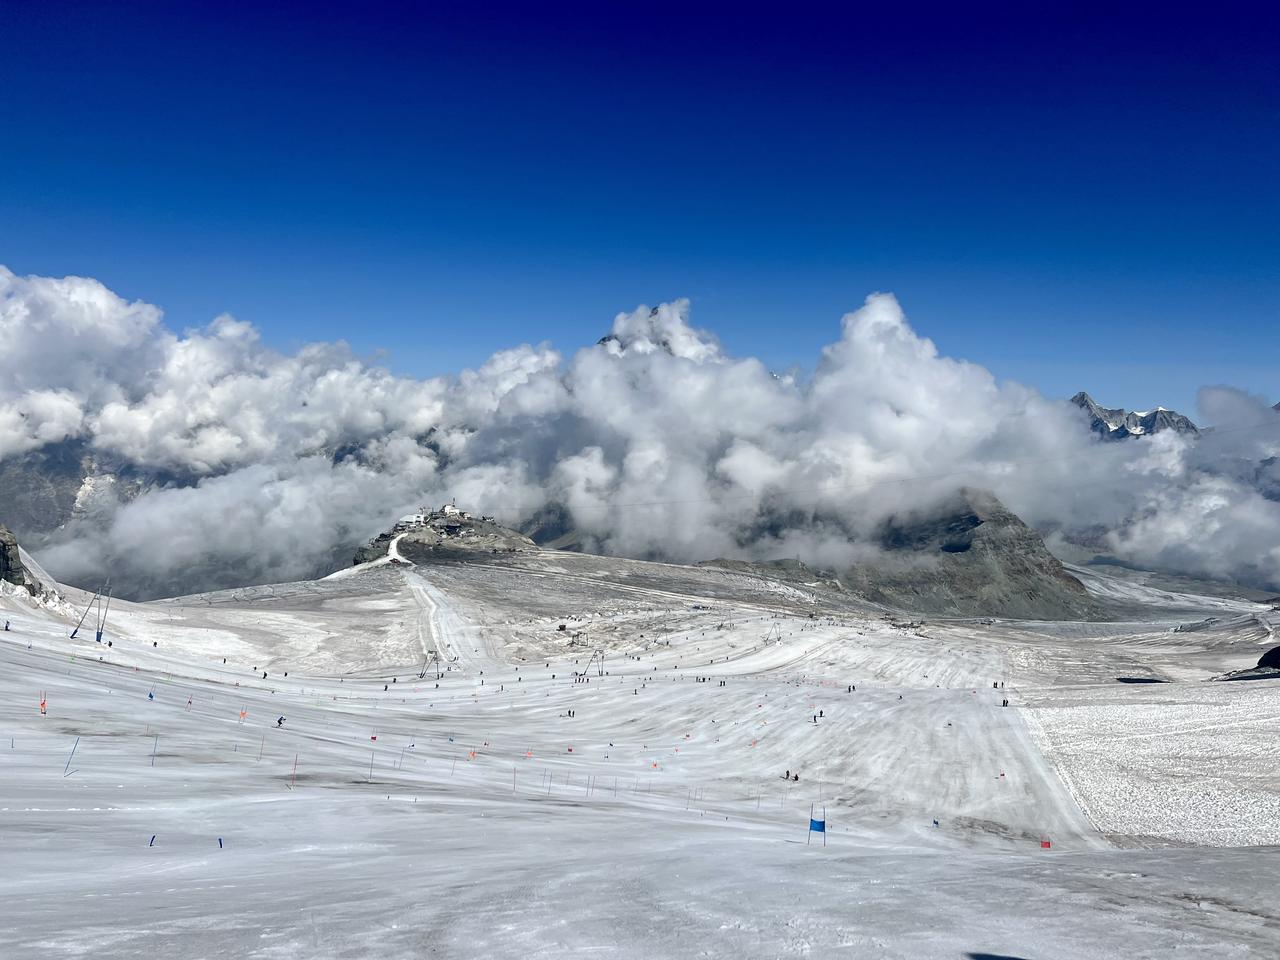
(1116, 423)
(662, 328)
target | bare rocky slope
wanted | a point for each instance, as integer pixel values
(967, 556)
(12, 569)
(970, 556)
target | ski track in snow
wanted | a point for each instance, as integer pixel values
(474, 817)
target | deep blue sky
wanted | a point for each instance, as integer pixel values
(1076, 200)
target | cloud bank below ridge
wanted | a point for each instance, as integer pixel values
(655, 442)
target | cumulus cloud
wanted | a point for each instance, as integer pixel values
(258, 465)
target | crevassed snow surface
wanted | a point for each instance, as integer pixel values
(513, 809)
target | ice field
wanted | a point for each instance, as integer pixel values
(521, 798)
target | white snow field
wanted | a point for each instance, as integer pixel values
(513, 809)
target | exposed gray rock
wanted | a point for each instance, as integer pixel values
(552, 527)
(47, 487)
(969, 556)
(40, 487)
(443, 536)
(965, 556)
(11, 566)
(1114, 423)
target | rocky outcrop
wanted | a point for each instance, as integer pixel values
(40, 487)
(60, 482)
(1119, 424)
(441, 536)
(552, 527)
(969, 556)
(964, 556)
(12, 569)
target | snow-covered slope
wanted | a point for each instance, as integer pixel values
(457, 776)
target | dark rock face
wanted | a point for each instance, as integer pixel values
(11, 568)
(552, 527)
(45, 488)
(1119, 424)
(1270, 659)
(969, 556)
(375, 548)
(40, 487)
(965, 556)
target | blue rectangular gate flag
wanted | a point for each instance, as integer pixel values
(817, 826)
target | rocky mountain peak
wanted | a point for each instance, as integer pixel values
(12, 569)
(1116, 423)
(969, 555)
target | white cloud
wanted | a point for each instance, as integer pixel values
(293, 459)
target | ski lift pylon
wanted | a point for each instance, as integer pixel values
(100, 618)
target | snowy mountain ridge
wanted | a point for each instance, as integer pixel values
(1116, 423)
